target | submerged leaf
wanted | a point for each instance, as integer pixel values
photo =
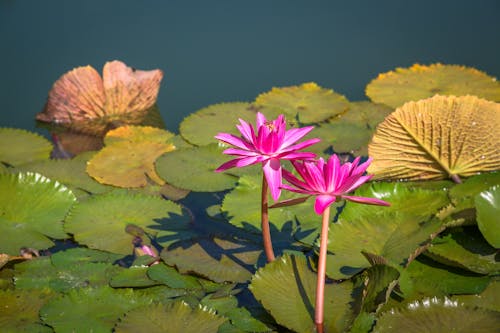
(436, 138)
(419, 81)
(19, 146)
(83, 101)
(308, 103)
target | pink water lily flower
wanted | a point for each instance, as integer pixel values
(330, 181)
(271, 144)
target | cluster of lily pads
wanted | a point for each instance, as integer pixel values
(141, 234)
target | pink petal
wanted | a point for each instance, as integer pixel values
(294, 189)
(302, 145)
(368, 201)
(290, 177)
(323, 201)
(314, 176)
(296, 156)
(329, 173)
(240, 152)
(246, 131)
(261, 120)
(295, 134)
(354, 183)
(238, 162)
(362, 168)
(262, 140)
(234, 140)
(272, 171)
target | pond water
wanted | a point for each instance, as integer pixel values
(223, 51)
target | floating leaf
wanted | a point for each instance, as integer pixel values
(84, 102)
(32, 208)
(70, 172)
(135, 276)
(199, 128)
(462, 195)
(82, 255)
(308, 103)
(438, 315)
(172, 278)
(488, 207)
(20, 310)
(175, 317)
(488, 299)
(378, 284)
(287, 289)
(219, 260)
(424, 277)
(435, 138)
(19, 146)
(128, 158)
(395, 233)
(71, 312)
(194, 169)
(419, 81)
(100, 221)
(466, 250)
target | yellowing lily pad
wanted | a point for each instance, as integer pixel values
(18, 146)
(308, 102)
(100, 221)
(419, 81)
(436, 138)
(128, 158)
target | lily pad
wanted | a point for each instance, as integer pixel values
(199, 128)
(308, 102)
(18, 146)
(135, 276)
(70, 172)
(462, 195)
(20, 310)
(425, 277)
(32, 208)
(425, 139)
(287, 289)
(65, 313)
(100, 221)
(467, 250)
(438, 315)
(395, 233)
(175, 317)
(128, 158)
(194, 169)
(379, 281)
(488, 207)
(488, 299)
(172, 278)
(219, 260)
(397, 87)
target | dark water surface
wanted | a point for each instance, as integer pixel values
(223, 51)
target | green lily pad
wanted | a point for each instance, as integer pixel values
(82, 255)
(175, 317)
(243, 204)
(219, 260)
(424, 277)
(194, 169)
(287, 289)
(70, 172)
(379, 280)
(488, 208)
(100, 221)
(41, 274)
(71, 312)
(488, 299)
(462, 195)
(199, 128)
(438, 315)
(172, 278)
(395, 233)
(32, 208)
(466, 249)
(135, 276)
(18, 146)
(308, 103)
(20, 310)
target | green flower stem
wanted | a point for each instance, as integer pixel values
(266, 232)
(320, 287)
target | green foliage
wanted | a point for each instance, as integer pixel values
(425, 263)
